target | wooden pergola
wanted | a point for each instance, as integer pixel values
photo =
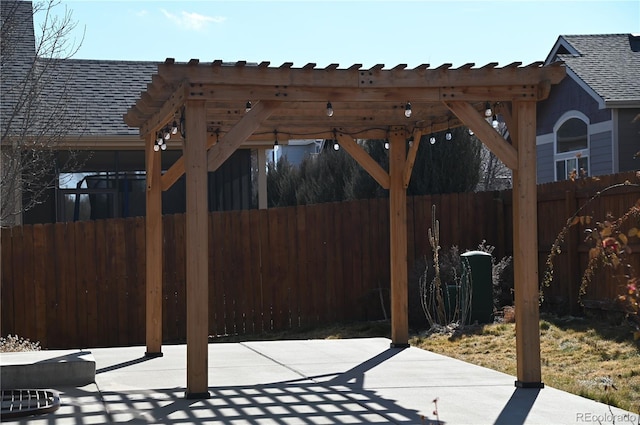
(212, 100)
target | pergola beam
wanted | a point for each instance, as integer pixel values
(398, 238)
(525, 249)
(352, 77)
(197, 250)
(153, 251)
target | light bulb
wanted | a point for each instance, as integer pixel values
(329, 110)
(407, 110)
(336, 146)
(156, 148)
(167, 135)
(448, 135)
(494, 123)
(432, 139)
(470, 132)
(174, 128)
(487, 111)
(247, 107)
(386, 145)
(163, 147)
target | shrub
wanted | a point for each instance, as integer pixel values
(14, 343)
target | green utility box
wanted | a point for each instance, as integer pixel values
(478, 265)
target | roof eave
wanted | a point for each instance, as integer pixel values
(622, 103)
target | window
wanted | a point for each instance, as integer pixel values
(99, 195)
(572, 149)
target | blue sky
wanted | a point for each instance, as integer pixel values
(343, 32)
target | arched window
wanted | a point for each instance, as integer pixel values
(572, 149)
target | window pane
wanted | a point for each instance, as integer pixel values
(583, 164)
(561, 171)
(572, 165)
(75, 208)
(572, 136)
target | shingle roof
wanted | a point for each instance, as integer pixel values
(102, 91)
(608, 63)
(93, 95)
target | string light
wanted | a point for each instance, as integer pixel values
(174, 127)
(407, 110)
(247, 107)
(448, 135)
(487, 110)
(386, 144)
(329, 109)
(275, 134)
(432, 138)
(495, 122)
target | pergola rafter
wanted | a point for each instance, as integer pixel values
(291, 103)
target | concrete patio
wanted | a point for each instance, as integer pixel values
(351, 381)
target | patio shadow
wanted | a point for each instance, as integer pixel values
(517, 409)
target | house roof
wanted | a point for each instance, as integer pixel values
(608, 63)
(78, 97)
(101, 91)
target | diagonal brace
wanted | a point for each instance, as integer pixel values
(483, 130)
(363, 158)
(240, 132)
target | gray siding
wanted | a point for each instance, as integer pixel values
(600, 154)
(567, 96)
(545, 163)
(628, 138)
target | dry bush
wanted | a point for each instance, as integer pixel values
(14, 343)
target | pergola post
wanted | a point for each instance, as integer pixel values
(197, 234)
(525, 248)
(153, 249)
(398, 238)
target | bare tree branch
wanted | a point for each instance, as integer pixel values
(39, 113)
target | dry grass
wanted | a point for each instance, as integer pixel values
(593, 358)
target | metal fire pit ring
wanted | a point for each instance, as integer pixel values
(22, 403)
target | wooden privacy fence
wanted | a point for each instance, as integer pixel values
(83, 284)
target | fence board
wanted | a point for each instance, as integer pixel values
(305, 303)
(85, 271)
(8, 281)
(72, 285)
(19, 295)
(217, 307)
(139, 262)
(178, 287)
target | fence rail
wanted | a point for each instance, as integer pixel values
(83, 284)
